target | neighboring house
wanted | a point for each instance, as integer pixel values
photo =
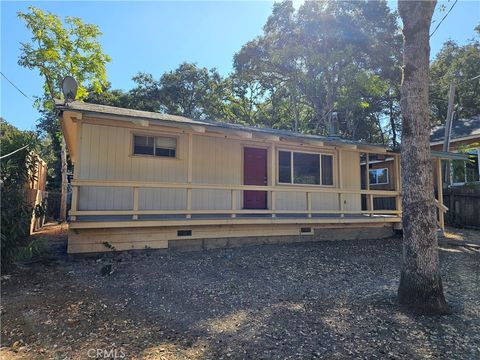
(465, 137)
(150, 180)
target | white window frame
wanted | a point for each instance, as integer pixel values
(291, 151)
(376, 177)
(465, 172)
(171, 136)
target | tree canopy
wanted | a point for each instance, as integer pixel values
(58, 49)
(458, 64)
(325, 57)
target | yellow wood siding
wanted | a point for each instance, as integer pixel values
(105, 154)
(350, 164)
(215, 161)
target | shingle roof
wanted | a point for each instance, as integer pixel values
(462, 128)
(95, 109)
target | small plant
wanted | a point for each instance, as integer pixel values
(109, 246)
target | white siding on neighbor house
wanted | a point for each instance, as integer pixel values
(105, 154)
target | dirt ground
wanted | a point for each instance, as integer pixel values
(332, 300)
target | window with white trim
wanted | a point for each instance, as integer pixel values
(378, 176)
(466, 171)
(305, 168)
(159, 146)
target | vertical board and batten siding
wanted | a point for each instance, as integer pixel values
(351, 179)
(105, 153)
(215, 161)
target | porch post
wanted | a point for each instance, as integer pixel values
(367, 183)
(398, 183)
(135, 202)
(441, 215)
(340, 181)
(189, 172)
(76, 172)
(272, 178)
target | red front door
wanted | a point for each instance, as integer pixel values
(254, 173)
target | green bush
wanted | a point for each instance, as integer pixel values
(16, 171)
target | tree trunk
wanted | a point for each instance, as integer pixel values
(63, 200)
(392, 121)
(420, 281)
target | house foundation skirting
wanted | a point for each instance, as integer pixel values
(209, 237)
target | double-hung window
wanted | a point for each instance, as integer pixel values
(378, 176)
(305, 168)
(159, 146)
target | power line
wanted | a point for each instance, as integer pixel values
(16, 87)
(440, 23)
(13, 152)
(473, 78)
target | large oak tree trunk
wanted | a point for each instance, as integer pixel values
(420, 281)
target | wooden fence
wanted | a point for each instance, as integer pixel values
(35, 192)
(464, 206)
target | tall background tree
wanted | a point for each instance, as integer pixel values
(456, 64)
(325, 57)
(420, 281)
(58, 49)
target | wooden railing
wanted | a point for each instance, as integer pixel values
(234, 189)
(442, 209)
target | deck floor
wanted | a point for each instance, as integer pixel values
(88, 218)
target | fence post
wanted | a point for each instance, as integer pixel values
(440, 194)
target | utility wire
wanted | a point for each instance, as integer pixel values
(473, 78)
(16, 87)
(13, 152)
(440, 23)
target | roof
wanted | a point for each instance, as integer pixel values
(117, 113)
(462, 129)
(155, 118)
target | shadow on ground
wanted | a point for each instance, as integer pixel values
(311, 300)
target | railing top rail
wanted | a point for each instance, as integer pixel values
(277, 188)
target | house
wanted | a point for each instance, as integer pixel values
(465, 137)
(150, 180)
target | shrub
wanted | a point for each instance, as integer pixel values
(15, 172)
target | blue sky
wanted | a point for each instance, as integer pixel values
(157, 36)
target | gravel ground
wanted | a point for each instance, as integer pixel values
(332, 300)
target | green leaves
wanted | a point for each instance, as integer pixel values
(325, 57)
(456, 64)
(16, 171)
(59, 49)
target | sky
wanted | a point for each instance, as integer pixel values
(155, 37)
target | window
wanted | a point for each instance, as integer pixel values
(284, 167)
(160, 146)
(378, 176)
(305, 168)
(466, 171)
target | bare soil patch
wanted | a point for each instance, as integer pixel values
(331, 300)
